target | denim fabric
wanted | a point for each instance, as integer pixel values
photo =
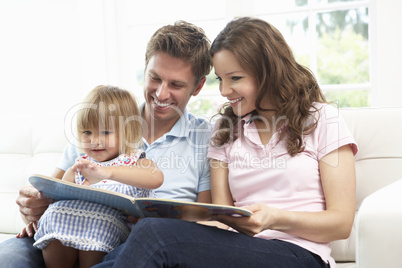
(20, 253)
(157, 242)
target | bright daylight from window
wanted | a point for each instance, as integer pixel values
(328, 36)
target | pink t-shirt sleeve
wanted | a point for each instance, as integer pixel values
(331, 133)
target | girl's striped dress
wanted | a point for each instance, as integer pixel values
(90, 226)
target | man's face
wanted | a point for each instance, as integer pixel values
(169, 85)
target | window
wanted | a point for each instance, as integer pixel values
(331, 38)
(328, 36)
(142, 19)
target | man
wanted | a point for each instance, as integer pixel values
(176, 64)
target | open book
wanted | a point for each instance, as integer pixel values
(138, 207)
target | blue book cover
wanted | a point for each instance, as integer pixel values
(138, 207)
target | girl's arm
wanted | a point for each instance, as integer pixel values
(69, 175)
(143, 175)
(339, 185)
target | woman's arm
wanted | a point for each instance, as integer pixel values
(337, 171)
(204, 197)
(220, 190)
(339, 185)
(145, 174)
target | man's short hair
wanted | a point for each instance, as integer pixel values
(185, 41)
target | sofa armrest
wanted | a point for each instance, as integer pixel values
(379, 222)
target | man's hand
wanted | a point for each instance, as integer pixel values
(32, 203)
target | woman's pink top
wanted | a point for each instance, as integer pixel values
(268, 174)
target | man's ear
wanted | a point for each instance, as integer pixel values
(199, 86)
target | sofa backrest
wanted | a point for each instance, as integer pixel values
(34, 144)
(28, 144)
(377, 132)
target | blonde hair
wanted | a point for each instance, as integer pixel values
(110, 107)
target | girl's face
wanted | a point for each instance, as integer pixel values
(239, 87)
(100, 144)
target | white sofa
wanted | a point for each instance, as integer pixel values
(28, 144)
(33, 144)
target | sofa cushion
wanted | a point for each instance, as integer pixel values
(378, 162)
(32, 144)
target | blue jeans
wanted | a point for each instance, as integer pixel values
(20, 253)
(156, 242)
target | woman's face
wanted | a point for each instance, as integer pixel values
(238, 86)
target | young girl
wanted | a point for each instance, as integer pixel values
(109, 131)
(278, 150)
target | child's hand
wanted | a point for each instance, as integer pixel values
(29, 230)
(91, 172)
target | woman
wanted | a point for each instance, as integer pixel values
(278, 150)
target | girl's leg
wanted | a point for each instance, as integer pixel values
(90, 258)
(156, 242)
(57, 255)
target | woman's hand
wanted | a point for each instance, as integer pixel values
(133, 220)
(335, 222)
(261, 219)
(29, 230)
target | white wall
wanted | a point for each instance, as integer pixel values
(387, 70)
(52, 52)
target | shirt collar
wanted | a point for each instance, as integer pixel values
(251, 132)
(247, 119)
(181, 128)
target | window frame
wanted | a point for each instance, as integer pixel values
(237, 8)
(312, 9)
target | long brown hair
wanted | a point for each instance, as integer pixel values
(292, 88)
